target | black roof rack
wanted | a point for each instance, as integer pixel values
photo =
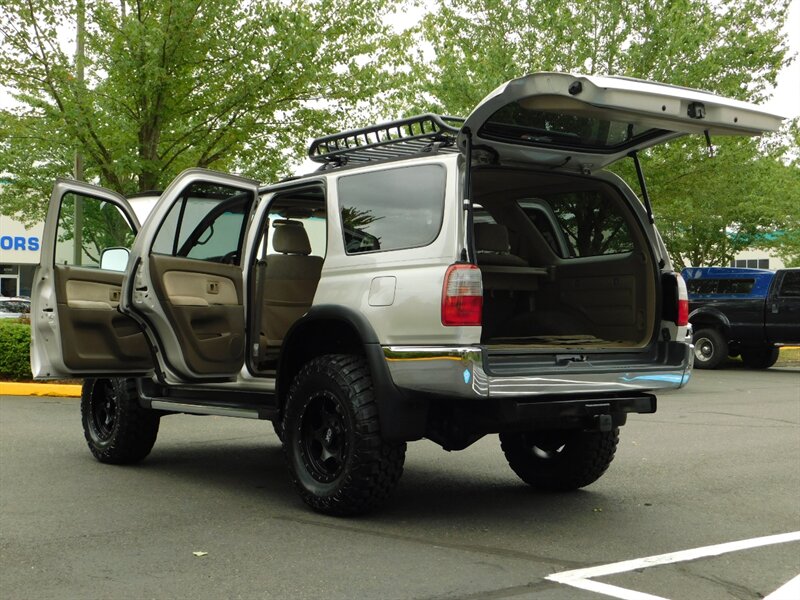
(394, 139)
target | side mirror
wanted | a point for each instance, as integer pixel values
(114, 259)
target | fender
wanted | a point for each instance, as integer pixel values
(708, 315)
(333, 329)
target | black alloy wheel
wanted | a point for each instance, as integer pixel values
(117, 429)
(323, 437)
(103, 411)
(336, 456)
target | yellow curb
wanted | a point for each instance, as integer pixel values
(8, 388)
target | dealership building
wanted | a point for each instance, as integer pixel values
(19, 255)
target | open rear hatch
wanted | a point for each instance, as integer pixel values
(583, 123)
(568, 260)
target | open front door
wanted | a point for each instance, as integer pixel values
(76, 329)
(185, 283)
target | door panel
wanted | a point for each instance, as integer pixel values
(94, 333)
(76, 328)
(783, 309)
(185, 283)
(203, 302)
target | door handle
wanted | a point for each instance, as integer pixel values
(212, 287)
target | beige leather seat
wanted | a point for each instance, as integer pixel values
(290, 281)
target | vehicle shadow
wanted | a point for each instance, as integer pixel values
(255, 473)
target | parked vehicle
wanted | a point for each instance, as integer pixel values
(747, 312)
(437, 277)
(14, 307)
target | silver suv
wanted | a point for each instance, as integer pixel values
(436, 277)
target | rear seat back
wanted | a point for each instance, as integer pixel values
(493, 248)
(290, 281)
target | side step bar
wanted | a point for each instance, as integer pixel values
(224, 403)
(205, 409)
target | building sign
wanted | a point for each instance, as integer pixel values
(18, 244)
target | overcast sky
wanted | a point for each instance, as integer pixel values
(786, 100)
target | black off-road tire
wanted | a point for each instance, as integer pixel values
(277, 427)
(760, 358)
(559, 460)
(117, 429)
(332, 440)
(710, 348)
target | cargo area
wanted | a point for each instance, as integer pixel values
(564, 261)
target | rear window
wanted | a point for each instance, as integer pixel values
(392, 209)
(720, 286)
(580, 224)
(554, 121)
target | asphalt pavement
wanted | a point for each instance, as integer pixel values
(719, 462)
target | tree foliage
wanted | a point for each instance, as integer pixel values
(177, 83)
(707, 209)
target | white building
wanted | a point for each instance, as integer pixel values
(19, 255)
(757, 259)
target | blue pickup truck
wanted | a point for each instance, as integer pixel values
(742, 312)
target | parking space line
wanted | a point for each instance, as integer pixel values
(612, 590)
(582, 578)
(788, 591)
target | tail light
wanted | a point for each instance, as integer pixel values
(462, 296)
(675, 299)
(683, 302)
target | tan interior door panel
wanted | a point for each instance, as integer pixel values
(90, 294)
(199, 289)
(94, 334)
(203, 302)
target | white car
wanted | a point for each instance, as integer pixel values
(14, 307)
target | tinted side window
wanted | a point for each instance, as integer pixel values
(392, 209)
(790, 286)
(735, 286)
(592, 224)
(86, 227)
(702, 286)
(720, 286)
(206, 222)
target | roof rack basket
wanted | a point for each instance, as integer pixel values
(394, 139)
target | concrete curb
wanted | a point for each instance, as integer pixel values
(12, 388)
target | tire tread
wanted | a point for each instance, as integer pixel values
(376, 464)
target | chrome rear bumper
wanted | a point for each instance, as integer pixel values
(462, 372)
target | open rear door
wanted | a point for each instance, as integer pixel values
(185, 280)
(76, 327)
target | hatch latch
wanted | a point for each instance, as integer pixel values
(696, 110)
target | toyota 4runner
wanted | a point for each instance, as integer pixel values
(436, 277)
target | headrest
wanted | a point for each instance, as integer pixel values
(490, 237)
(291, 238)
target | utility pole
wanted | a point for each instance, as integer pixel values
(78, 170)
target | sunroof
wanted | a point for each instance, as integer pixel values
(577, 127)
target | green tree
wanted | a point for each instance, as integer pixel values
(707, 209)
(171, 84)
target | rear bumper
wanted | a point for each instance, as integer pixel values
(473, 372)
